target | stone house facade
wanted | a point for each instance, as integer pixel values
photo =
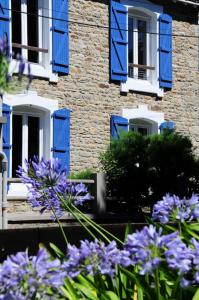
(92, 59)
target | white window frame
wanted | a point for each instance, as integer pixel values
(47, 107)
(25, 136)
(153, 12)
(136, 18)
(42, 69)
(143, 113)
(136, 126)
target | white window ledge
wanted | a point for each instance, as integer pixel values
(141, 86)
(36, 70)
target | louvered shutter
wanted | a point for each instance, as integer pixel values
(166, 125)
(118, 124)
(165, 48)
(118, 42)
(60, 47)
(4, 19)
(61, 137)
(6, 133)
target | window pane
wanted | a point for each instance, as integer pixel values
(33, 136)
(33, 40)
(16, 143)
(142, 54)
(130, 45)
(142, 130)
(16, 25)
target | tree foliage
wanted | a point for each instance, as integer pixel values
(142, 169)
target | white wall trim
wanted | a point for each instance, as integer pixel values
(32, 99)
(141, 86)
(142, 112)
(145, 5)
(36, 70)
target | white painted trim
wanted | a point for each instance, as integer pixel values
(36, 70)
(143, 113)
(145, 5)
(31, 98)
(141, 86)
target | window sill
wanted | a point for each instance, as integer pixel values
(141, 86)
(36, 70)
(17, 190)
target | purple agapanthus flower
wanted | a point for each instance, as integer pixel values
(179, 256)
(195, 261)
(92, 258)
(49, 188)
(22, 276)
(146, 246)
(172, 208)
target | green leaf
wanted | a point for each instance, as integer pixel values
(194, 226)
(139, 283)
(88, 292)
(112, 295)
(128, 230)
(66, 293)
(70, 287)
(140, 293)
(86, 281)
(193, 234)
(196, 296)
(57, 251)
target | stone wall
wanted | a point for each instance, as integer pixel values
(92, 98)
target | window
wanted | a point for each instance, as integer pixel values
(141, 47)
(29, 30)
(139, 119)
(27, 136)
(138, 47)
(39, 31)
(141, 126)
(34, 129)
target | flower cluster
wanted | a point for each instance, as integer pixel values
(146, 246)
(144, 251)
(49, 188)
(172, 208)
(92, 258)
(22, 276)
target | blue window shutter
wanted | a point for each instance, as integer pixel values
(118, 124)
(118, 42)
(61, 137)
(4, 19)
(60, 47)
(166, 125)
(165, 51)
(6, 133)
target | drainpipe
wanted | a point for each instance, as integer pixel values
(3, 205)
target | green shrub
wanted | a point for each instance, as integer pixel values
(142, 169)
(83, 174)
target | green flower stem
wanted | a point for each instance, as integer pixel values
(94, 227)
(93, 223)
(67, 208)
(57, 219)
(81, 222)
(157, 284)
(97, 228)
